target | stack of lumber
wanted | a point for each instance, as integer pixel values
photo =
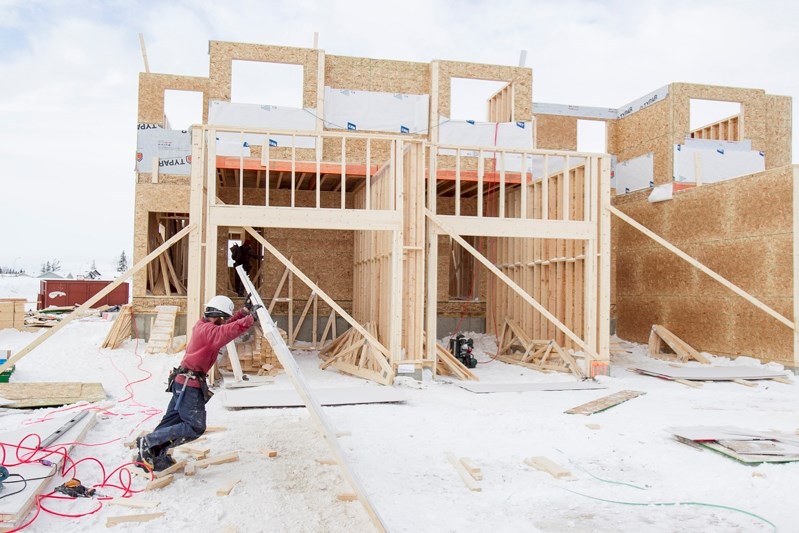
(518, 348)
(121, 330)
(682, 351)
(12, 313)
(163, 330)
(255, 353)
(352, 353)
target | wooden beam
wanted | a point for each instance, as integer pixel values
(146, 517)
(712, 273)
(96, 298)
(301, 386)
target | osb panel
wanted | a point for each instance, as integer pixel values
(151, 94)
(647, 130)
(636, 316)
(379, 75)
(171, 179)
(148, 304)
(768, 128)
(223, 54)
(520, 77)
(778, 130)
(554, 132)
(742, 229)
(153, 198)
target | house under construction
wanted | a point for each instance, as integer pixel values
(372, 209)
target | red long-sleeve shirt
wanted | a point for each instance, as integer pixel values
(206, 340)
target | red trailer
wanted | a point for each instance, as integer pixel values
(70, 292)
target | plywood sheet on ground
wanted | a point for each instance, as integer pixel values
(268, 397)
(480, 388)
(713, 373)
(604, 403)
(15, 507)
(50, 394)
(744, 445)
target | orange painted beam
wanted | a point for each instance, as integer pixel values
(251, 163)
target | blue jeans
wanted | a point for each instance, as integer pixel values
(183, 424)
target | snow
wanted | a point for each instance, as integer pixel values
(627, 475)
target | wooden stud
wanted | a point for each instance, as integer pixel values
(159, 482)
(177, 467)
(346, 497)
(467, 478)
(229, 457)
(145, 517)
(225, 489)
(269, 453)
(546, 465)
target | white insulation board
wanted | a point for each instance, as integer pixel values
(704, 161)
(634, 174)
(346, 109)
(173, 148)
(261, 117)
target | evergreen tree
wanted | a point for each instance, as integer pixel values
(122, 266)
(94, 265)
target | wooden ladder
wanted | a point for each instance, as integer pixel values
(163, 330)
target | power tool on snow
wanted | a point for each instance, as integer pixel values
(461, 347)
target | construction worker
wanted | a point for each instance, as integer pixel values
(184, 419)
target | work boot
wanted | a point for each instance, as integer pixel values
(145, 455)
(162, 461)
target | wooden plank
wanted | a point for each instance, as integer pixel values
(230, 457)
(546, 465)
(159, 482)
(467, 478)
(298, 380)
(225, 489)
(96, 298)
(604, 403)
(135, 503)
(50, 394)
(177, 467)
(124, 519)
(269, 453)
(475, 471)
(346, 497)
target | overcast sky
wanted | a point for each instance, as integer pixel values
(68, 79)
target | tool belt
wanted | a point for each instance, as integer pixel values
(189, 374)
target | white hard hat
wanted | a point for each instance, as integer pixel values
(219, 306)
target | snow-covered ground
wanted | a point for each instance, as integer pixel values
(628, 474)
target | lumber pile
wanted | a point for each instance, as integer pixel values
(518, 348)
(163, 330)
(167, 273)
(681, 350)
(353, 354)
(256, 355)
(12, 313)
(121, 330)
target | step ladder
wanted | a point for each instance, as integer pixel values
(163, 330)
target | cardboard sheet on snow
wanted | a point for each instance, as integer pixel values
(705, 373)
(269, 397)
(480, 387)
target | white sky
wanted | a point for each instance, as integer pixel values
(68, 96)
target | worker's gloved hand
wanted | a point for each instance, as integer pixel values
(245, 311)
(248, 302)
(254, 311)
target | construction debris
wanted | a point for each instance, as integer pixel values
(545, 465)
(744, 445)
(689, 375)
(516, 347)
(682, 351)
(466, 476)
(121, 330)
(353, 354)
(604, 403)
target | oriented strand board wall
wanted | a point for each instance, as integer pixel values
(224, 53)
(153, 198)
(520, 77)
(555, 132)
(659, 127)
(151, 94)
(740, 228)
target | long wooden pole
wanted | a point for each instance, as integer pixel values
(304, 391)
(96, 298)
(712, 273)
